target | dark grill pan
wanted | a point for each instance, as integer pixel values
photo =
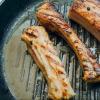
(20, 77)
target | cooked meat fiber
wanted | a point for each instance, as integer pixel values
(87, 14)
(42, 51)
(53, 21)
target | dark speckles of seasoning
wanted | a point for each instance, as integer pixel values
(88, 8)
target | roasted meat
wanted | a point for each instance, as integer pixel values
(87, 14)
(53, 21)
(42, 51)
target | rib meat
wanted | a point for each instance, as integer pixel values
(42, 51)
(53, 21)
(87, 14)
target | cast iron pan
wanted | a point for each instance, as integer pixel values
(9, 9)
(20, 78)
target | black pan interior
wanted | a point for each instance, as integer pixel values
(9, 9)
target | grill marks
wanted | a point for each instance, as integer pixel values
(56, 19)
(32, 33)
(45, 56)
(85, 56)
(87, 14)
(52, 60)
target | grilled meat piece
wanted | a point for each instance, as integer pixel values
(53, 21)
(42, 51)
(87, 14)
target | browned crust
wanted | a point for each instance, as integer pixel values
(45, 56)
(95, 2)
(49, 18)
(87, 14)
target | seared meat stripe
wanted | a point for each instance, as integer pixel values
(87, 14)
(53, 21)
(42, 51)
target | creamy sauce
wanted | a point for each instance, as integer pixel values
(16, 75)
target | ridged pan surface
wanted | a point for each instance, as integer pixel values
(24, 79)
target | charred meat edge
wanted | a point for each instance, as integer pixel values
(53, 21)
(87, 14)
(42, 51)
